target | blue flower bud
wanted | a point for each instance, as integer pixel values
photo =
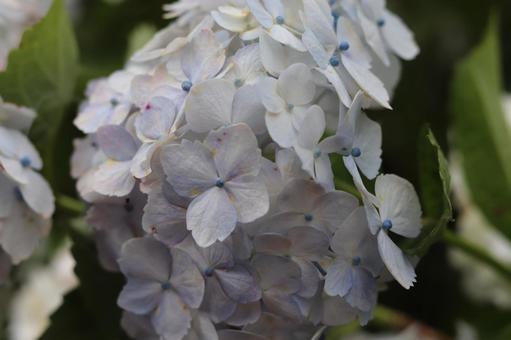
(25, 162)
(344, 46)
(387, 225)
(220, 183)
(238, 83)
(114, 102)
(317, 153)
(308, 217)
(355, 152)
(186, 85)
(209, 271)
(334, 61)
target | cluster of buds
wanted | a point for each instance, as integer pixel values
(209, 176)
(27, 202)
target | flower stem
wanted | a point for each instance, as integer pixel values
(71, 204)
(477, 253)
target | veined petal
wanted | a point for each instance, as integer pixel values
(399, 37)
(38, 195)
(189, 167)
(399, 204)
(250, 197)
(211, 217)
(395, 261)
(339, 278)
(284, 36)
(235, 151)
(260, 13)
(209, 105)
(172, 318)
(295, 85)
(367, 81)
(114, 178)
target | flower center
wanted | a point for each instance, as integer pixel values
(166, 285)
(25, 162)
(387, 225)
(238, 83)
(344, 46)
(114, 102)
(317, 153)
(220, 183)
(380, 22)
(186, 85)
(355, 152)
(334, 61)
(356, 261)
(209, 271)
(280, 20)
(308, 217)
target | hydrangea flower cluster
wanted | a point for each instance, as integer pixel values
(26, 200)
(15, 17)
(209, 177)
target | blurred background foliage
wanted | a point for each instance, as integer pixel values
(446, 30)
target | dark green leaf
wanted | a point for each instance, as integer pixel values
(481, 133)
(435, 184)
(41, 74)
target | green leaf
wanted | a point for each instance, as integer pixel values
(41, 74)
(435, 186)
(90, 311)
(481, 134)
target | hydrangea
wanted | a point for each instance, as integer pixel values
(206, 162)
(26, 200)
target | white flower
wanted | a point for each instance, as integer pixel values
(21, 228)
(280, 19)
(340, 54)
(286, 101)
(358, 137)
(154, 126)
(384, 30)
(312, 152)
(245, 66)
(276, 175)
(107, 103)
(19, 160)
(222, 177)
(400, 213)
(217, 102)
(114, 176)
(357, 263)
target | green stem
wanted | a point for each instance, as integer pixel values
(342, 185)
(477, 253)
(71, 204)
(390, 318)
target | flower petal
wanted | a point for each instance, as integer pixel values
(395, 261)
(209, 105)
(211, 217)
